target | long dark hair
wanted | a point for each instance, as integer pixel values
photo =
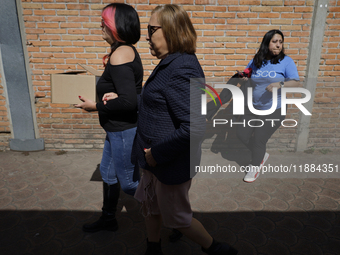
(123, 23)
(261, 55)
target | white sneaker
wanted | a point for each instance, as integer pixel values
(254, 171)
(252, 174)
(265, 158)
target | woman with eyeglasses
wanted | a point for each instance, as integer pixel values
(123, 75)
(165, 130)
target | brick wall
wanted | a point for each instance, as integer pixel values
(5, 130)
(62, 33)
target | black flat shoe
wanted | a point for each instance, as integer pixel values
(101, 224)
(217, 248)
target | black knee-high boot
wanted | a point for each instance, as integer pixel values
(108, 219)
(153, 248)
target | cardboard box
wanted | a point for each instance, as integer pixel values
(67, 87)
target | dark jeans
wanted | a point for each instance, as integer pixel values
(116, 163)
(256, 138)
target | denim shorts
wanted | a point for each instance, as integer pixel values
(116, 163)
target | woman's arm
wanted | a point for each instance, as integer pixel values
(108, 97)
(291, 76)
(123, 79)
(291, 83)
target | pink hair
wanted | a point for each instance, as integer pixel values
(108, 16)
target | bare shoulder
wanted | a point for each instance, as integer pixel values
(123, 54)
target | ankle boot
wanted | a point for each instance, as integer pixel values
(153, 248)
(217, 248)
(108, 219)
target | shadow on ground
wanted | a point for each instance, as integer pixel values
(59, 232)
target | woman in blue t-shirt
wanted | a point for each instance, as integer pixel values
(271, 68)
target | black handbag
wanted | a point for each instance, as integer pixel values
(226, 95)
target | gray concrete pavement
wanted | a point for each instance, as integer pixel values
(45, 199)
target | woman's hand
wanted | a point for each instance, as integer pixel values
(242, 76)
(108, 97)
(149, 158)
(271, 86)
(87, 104)
(245, 74)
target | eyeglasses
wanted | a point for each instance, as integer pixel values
(102, 24)
(152, 30)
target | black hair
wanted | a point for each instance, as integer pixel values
(127, 25)
(260, 57)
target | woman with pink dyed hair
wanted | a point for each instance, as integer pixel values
(123, 75)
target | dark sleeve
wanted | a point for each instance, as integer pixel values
(177, 97)
(124, 81)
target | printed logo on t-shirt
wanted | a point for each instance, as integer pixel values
(264, 74)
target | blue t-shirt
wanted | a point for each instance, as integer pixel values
(269, 73)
